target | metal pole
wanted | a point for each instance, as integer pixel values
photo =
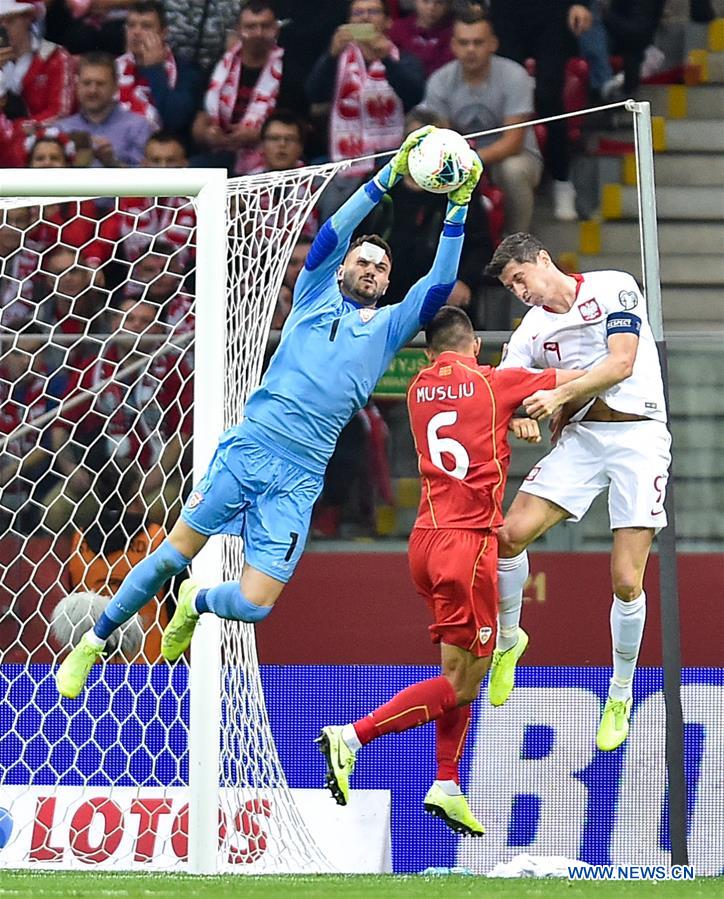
(668, 574)
(205, 672)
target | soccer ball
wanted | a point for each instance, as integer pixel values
(441, 161)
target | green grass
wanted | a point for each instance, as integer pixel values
(179, 886)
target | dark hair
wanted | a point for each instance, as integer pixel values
(285, 117)
(385, 6)
(425, 116)
(166, 137)
(98, 58)
(257, 7)
(471, 14)
(373, 239)
(518, 247)
(449, 330)
(154, 6)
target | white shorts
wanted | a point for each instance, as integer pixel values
(631, 459)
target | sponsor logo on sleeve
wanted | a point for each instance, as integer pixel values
(628, 299)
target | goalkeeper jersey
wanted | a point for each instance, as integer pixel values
(333, 350)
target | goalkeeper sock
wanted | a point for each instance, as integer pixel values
(627, 631)
(512, 575)
(450, 732)
(415, 705)
(227, 601)
(141, 583)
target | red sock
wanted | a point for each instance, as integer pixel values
(411, 707)
(450, 733)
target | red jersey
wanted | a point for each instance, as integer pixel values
(459, 415)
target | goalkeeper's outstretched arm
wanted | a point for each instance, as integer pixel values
(430, 293)
(330, 245)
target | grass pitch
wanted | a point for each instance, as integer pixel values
(42, 885)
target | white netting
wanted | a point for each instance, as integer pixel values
(97, 307)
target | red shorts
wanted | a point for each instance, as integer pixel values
(456, 572)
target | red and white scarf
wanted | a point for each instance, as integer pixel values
(223, 90)
(367, 115)
(134, 92)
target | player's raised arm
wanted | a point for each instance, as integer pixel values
(331, 244)
(430, 293)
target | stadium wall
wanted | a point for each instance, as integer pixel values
(361, 608)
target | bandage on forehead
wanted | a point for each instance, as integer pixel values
(371, 252)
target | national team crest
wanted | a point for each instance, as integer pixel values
(628, 299)
(366, 315)
(485, 633)
(590, 310)
(194, 499)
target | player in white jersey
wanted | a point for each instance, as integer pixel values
(612, 435)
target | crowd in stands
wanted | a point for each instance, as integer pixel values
(251, 86)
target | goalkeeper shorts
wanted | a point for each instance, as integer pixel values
(270, 507)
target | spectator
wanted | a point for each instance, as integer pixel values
(480, 91)
(296, 261)
(76, 298)
(103, 553)
(118, 136)
(426, 34)
(370, 84)
(19, 260)
(136, 410)
(282, 143)
(198, 29)
(85, 26)
(151, 81)
(621, 27)
(27, 393)
(544, 31)
(248, 84)
(173, 219)
(11, 134)
(415, 219)
(37, 74)
(77, 224)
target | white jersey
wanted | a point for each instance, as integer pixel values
(607, 302)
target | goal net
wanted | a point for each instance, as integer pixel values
(119, 366)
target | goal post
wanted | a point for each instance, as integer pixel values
(241, 815)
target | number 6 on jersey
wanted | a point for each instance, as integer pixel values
(438, 445)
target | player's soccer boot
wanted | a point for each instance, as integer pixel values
(180, 629)
(613, 729)
(502, 670)
(73, 672)
(454, 811)
(340, 762)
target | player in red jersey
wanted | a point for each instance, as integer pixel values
(460, 413)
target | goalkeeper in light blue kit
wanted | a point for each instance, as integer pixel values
(268, 471)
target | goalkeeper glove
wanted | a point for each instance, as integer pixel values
(390, 174)
(458, 199)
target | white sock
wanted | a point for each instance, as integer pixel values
(449, 787)
(512, 575)
(627, 630)
(350, 738)
(94, 639)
